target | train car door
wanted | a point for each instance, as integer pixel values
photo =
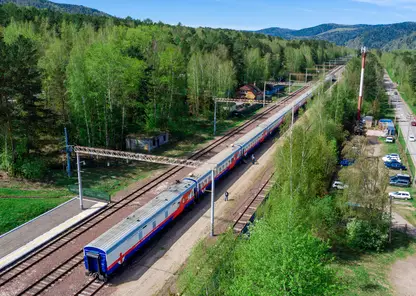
(94, 266)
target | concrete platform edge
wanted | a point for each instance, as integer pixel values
(34, 219)
(14, 260)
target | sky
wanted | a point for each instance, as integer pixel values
(258, 14)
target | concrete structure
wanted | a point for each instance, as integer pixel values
(22, 240)
(388, 126)
(135, 142)
(368, 121)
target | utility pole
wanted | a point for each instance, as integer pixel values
(391, 220)
(408, 131)
(79, 182)
(306, 76)
(215, 117)
(212, 199)
(290, 75)
(68, 154)
(264, 94)
(360, 96)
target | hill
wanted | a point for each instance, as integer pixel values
(68, 8)
(386, 37)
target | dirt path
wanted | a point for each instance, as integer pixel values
(403, 276)
(403, 272)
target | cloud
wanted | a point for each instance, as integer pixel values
(410, 7)
(387, 2)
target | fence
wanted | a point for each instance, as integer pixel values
(94, 193)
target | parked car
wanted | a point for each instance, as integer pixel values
(412, 138)
(339, 185)
(400, 195)
(399, 182)
(402, 177)
(395, 165)
(389, 140)
(346, 162)
(391, 157)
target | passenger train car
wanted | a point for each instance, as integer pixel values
(108, 252)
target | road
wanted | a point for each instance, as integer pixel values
(403, 115)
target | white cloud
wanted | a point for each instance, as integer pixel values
(387, 2)
(409, 7)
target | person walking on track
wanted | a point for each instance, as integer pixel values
(253, 159)
(226, 196)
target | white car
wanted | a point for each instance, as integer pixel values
(391, 157)
(400, 195)
(389, 140)
(339, 185)
(412, 138)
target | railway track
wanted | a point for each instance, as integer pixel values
(56, 273)
(246, 212)
(248, 209)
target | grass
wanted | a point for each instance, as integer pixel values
(16, 211)
(106, 179)
(368, 274)
(17, 192)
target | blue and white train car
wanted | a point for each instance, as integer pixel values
(225, 161)
(106, 253)
(251, 140)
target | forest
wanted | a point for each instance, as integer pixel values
(104, 77)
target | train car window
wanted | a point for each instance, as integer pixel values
(140, 235)
(166, 214)
(154, 224)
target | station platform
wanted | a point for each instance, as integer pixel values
(24, 239)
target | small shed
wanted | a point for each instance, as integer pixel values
(388, 126)
(368, 120)
(137, 142)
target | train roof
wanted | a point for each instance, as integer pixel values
(249, 136)
(216, 159)
(140, 217)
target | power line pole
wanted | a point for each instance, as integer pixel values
(212, 199)
(68, 154)
(215, 117)
(79, 182)
(264, 94)
(408, 131)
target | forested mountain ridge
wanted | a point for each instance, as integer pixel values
(385, 37)
(68, 8)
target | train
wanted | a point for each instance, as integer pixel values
(107, 253)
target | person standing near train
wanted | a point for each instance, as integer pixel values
(253, 159)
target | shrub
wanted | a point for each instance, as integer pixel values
(32, 168)
(364, 235)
